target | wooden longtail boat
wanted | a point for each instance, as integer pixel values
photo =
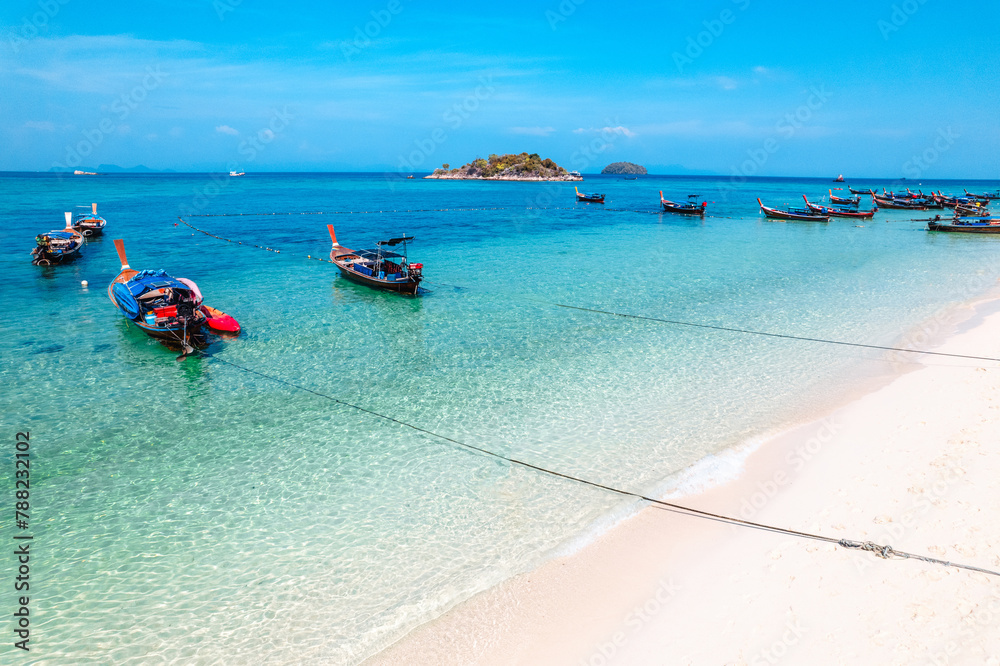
(968, 225)
(985, 196)
(379, 268)
(849, 201)
(588, 198)
(689, 208)
(56, 247)
(898, 204)
(90, 224)
(854, 191)
(800, 214)
(163, 307)
(840, 211)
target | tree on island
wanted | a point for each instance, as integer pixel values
(625, 168)
(510, 166)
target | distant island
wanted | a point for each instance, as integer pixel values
(626, 168)
(107, 168)
(506, 167)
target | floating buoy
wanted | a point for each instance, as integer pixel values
(83, 283)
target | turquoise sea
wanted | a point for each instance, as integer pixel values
(197, 512)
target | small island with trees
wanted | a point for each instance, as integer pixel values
(626, 168)
(506, 167)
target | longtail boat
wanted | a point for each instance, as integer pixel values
(985, 196)
(588, 198)
(800, 214)
(90, 224)
(56, 247)
(379, 268)
(898, 204)
(162, 306)
(968, 225)
(689, 208)
(972, 210)
(854, 191)
(840, 211)
(849, 201)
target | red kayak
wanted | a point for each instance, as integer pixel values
(219, 321)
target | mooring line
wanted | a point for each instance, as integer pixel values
(674, 321)
(884, 552)
(771, 335)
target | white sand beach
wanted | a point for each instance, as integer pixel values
(914, 464)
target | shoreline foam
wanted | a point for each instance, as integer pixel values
(762, 476)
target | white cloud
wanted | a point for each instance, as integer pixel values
(44, 125)
(726, 83)
(532, 131)
(226, 129)
(620, 129)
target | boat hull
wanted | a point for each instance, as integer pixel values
(407, 286)
(698, 211)
(965, 228)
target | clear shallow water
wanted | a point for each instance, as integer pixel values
(192, 511)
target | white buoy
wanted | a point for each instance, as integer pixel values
(83, 283)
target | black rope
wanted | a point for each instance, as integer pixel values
(882, 551)
(773, 335)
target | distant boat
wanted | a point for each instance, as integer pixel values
(799, 214)
(689, 208)
(840, 211)
(575, 174)
(849, 201)
(589, 198)
(409, 176)
(379, 268)
(90, 224)
(162, 306)
(236, 173)
(839, 179)
(56, 247)
(631, 178)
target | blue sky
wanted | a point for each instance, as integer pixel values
(879, 88)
